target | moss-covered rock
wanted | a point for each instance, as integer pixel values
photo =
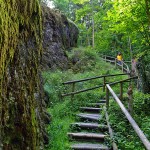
(22, 117)
(20, 54)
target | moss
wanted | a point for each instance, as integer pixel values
(20, 28)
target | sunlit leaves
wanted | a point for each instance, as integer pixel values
(79, 1)
(127, 16)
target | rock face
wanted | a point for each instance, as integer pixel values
(59, 34)
(23, 39)
(21, 108)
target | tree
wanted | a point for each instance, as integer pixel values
(132, 19)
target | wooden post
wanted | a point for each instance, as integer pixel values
(105, 58)
(122, 66)
(130, 99)
(107, 98)
(121, 91)
(104, 83)
(115, 62)
(73, 88)
(114, 145)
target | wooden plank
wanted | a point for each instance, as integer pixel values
(102, 101)
(89, 116)
(77, 92)
(82, 80)
(87, 135)
(113, 83)
(89, 125)
(91, 109)
(88, 146)
(96, 104)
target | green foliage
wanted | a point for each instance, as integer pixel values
(125, 136)
(62, 116)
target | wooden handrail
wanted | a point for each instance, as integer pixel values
(81, 91)
(130, 119)
(125, 80)
(127, 68)
(106, 58)
(96, 87)
(82, 80)
(103, 56)
(114, 145)
(84, 90)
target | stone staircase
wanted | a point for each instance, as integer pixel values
(91, 131)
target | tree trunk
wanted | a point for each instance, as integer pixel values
(93, 28)
(143, 82)
(147, 4)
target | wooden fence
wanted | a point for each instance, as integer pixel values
(123, 66)
(73, 83)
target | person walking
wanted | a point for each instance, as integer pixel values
(119, 58)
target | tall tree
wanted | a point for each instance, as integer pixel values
(131, 18)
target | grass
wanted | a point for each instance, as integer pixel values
(63, 110)
(60, 126)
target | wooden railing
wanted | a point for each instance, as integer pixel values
(73, 92)
(128, 116)
(121, 88)
(123, 66)
(118, 100)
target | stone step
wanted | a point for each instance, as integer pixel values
(92, 126)
(93, 117)
(95, 104)
(89, 146)
(87, 136)
(91, 109)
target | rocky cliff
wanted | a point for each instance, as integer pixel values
(26, 42)
(59, 35)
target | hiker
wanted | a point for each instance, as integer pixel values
(119, 58)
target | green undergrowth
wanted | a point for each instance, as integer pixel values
(125, 136)
(63, 110)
